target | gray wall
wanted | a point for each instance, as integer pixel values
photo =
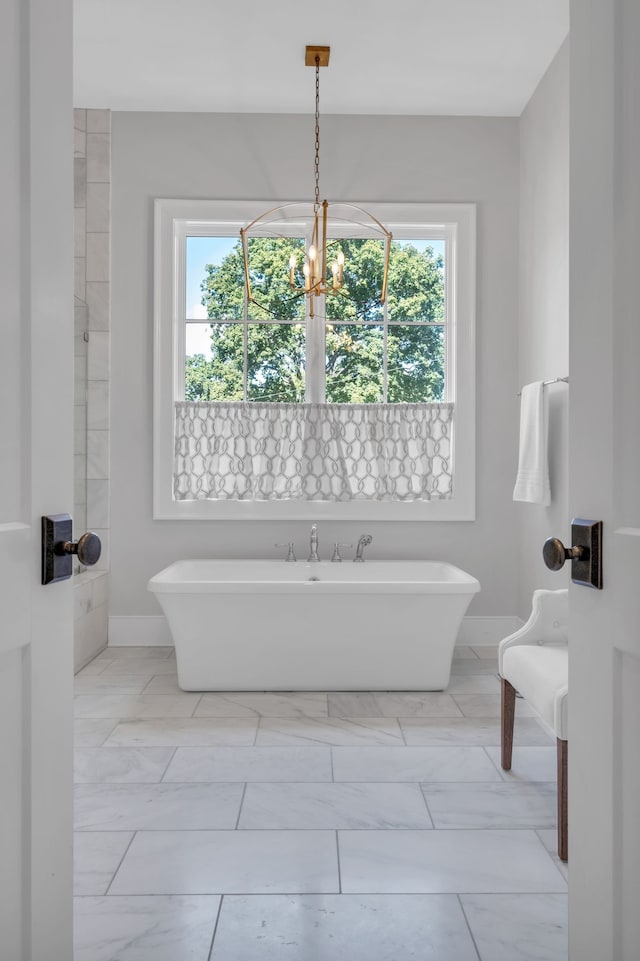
(229, 156)
(543, 346)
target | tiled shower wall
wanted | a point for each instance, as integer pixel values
(92, 202)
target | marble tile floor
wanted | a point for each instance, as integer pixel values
(310, 826)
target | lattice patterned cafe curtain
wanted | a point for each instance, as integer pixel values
(326, 452)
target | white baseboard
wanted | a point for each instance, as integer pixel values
(125, 631)
(478, 631)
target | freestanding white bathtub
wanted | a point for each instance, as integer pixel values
(248, 625)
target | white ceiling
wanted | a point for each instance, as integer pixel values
(477, 57)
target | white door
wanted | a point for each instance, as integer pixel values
(36, 477)
(604, 660)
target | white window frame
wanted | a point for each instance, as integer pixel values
(177, 219)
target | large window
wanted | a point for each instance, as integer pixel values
(369, 352)
(212, 345)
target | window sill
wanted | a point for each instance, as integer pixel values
(234, 510)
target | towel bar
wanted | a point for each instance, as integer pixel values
(545, 383)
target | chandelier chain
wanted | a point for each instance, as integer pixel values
(316, 277)
(317, 159)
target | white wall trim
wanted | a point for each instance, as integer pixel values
(139, 631)
(478, 631)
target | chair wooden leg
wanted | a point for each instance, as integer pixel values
(563, 818)
(507, 718)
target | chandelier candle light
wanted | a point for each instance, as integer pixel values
(328, 223)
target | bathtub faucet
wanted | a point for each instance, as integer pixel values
(313, 546)
(362, 543)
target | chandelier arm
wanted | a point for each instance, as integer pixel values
(260, 306)
(385, 275)
(323, 275)
(245, 259)
(268, 213)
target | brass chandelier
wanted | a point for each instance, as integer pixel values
(323, 268)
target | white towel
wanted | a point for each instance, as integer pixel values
(532, 482)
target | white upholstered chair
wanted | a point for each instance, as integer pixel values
(534, 662)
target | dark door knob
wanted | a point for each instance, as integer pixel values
(58, 547)
(554, 553)
(87, 548)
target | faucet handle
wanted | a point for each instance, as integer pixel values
(336, 559)
(290, 552)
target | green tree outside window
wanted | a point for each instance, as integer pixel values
(355, 331)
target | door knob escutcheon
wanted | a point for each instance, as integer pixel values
(58, 548)
(585, 553)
